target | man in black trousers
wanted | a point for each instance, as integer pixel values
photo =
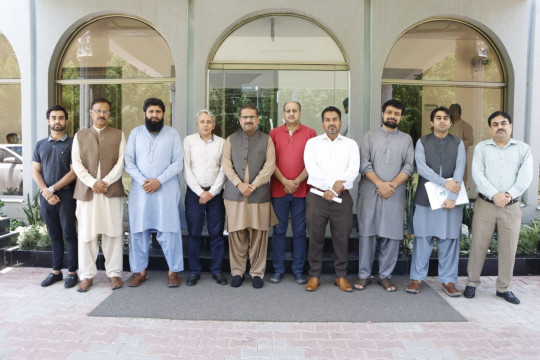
(52, 172)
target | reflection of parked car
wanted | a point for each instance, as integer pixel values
(11, 169)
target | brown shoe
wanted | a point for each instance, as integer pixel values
(343, 284)
(313, 284)
(84, 285)
(450, 289)
(138, 279)
(116, 282)
(413, 287)
(174, 280)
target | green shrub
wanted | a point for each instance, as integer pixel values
(528, 238)
(33, 236)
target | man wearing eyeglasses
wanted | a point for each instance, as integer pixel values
(98, 161)
(248, 162)
(502, 170)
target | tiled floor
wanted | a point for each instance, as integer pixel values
(51, 323)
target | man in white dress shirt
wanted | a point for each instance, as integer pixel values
(333, 163)
(98, 160)
(204, 198)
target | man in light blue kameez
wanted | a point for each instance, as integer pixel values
(440, 159)
(154, 158)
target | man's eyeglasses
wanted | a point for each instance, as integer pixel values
(248, 117)
(104, 112)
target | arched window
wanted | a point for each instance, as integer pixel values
(446, 63)
(270, 60)
(440, 63)
(11, 168)
(121, 59)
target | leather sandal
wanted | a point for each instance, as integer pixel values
(387, 284)
(361, 284)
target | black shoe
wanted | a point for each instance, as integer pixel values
(469, 292)
(51, 279)
(220, 278)
(71, 281)
(276, 278)
(257, 282)
(236, 281)
(192, 279)
(508, 296)
(300, 279)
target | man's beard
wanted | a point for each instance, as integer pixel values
(391, 125)
(59, 128)
(153, 126)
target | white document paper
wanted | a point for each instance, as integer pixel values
(437, 194)
(320, 193)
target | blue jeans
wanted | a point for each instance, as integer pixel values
(214, 211)
(297, 208)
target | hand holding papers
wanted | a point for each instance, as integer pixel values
(320, 193)
(437, 194)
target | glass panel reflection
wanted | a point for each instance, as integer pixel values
(269, 90)
(443, 50)
(126, 100)
(117, 48)
(9, 67)
(274, 39)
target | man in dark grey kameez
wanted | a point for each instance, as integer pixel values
(386, 163)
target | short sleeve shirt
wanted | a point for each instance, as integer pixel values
(54, 157)
(290, 156)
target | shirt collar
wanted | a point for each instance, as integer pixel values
(63, 138)
(510, 142)
(325, 137)
(284, 126)
(211, 138)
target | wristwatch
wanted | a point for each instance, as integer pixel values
(51, 189)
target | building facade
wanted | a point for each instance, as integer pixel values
(221, 54)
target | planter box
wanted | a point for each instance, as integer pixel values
(43, 258)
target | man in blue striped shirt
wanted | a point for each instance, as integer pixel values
(502, 170)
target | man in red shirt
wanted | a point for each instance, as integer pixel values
(289, 189)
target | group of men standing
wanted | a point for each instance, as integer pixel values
(253, 180)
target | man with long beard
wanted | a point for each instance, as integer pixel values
(154, 158)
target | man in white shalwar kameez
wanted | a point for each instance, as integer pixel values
(98, 161)
(154, 158)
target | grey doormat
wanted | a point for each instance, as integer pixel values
(284, 302)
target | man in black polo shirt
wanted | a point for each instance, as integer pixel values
(52, 172)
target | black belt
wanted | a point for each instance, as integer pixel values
(485, 198)
(206, 188)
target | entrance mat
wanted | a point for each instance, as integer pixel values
(283, 302)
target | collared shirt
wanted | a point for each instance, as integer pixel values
(202, 163)
(506, 170)
(328, 161)
(54, 157)
(290, 157)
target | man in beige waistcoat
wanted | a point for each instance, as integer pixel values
(248, 160)
(98, 161)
